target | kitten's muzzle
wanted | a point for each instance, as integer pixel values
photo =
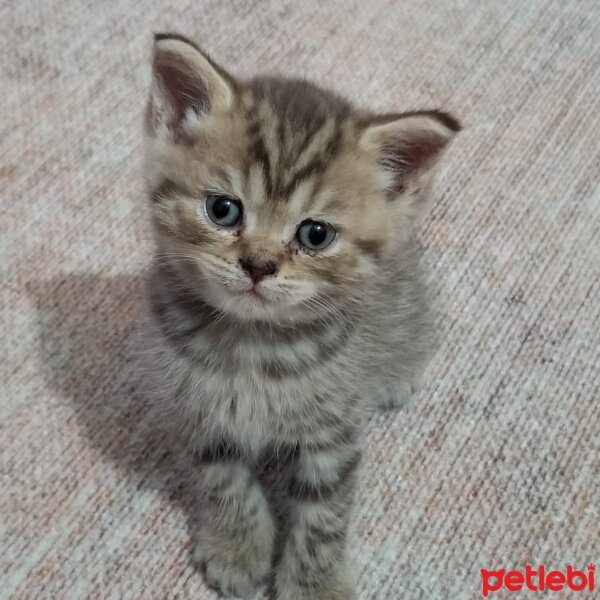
(258, 268)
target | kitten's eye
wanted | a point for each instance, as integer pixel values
(223, 210)
(315, 235)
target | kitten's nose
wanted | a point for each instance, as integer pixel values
(259, 268)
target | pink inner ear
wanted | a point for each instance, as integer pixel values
(183, 89)
(408, 158)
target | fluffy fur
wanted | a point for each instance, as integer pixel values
(277, 376)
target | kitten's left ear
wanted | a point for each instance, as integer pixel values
(406, 146)
(187, 86)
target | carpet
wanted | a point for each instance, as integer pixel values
(494, 465)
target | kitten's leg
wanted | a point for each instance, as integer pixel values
(236, 544)
(396, 395)
(312, 565)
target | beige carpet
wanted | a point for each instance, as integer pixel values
(497, 464)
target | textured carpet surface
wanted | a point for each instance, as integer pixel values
(496, 464)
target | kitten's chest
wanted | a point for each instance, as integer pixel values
(263, 388)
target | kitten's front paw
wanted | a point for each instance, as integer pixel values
(233, 574)
(335, 590)
(308, 594)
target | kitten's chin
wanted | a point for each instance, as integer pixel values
(248, 306)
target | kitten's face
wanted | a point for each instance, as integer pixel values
(274, 199)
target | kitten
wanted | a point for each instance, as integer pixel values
(287, 298)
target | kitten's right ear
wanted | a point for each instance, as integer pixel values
(407, 145)
(187, 86)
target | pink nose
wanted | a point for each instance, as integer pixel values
(258, 268)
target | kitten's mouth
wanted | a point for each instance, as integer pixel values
(254, 294)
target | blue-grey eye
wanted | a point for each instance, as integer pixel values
(315, 235)
(223, 210)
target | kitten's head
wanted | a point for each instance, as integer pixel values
(273, 198)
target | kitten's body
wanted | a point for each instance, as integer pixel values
(292, 372)
(266, 383)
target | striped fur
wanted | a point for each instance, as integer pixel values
(288, 380)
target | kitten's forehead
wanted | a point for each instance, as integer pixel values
(294, 130)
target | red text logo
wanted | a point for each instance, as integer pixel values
(537, 581)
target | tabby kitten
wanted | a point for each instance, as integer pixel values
(287, 299)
